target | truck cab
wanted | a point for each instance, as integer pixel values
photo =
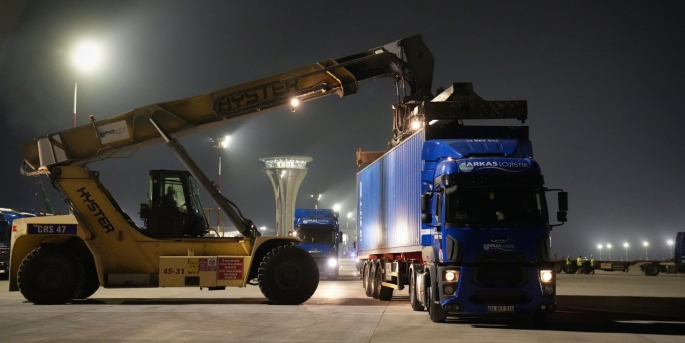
(319, 231)
(485, 206)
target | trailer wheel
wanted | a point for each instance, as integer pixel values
(416, 305)
(651, 269)
(373, 278)
(384, 293)
(558, 268)
(368, 288)
(288, 275)
(50, 276)
(571, 268)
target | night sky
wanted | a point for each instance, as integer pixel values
(604, 81)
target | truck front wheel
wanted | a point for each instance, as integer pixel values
(50, 275)
(435, 310)
(288, 275)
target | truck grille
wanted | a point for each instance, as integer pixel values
(500, 270)
(500, 297)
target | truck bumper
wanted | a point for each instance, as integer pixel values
(519, 290)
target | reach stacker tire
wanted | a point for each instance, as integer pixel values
(288, 275)
(50, 276)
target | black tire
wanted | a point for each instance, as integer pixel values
(651, 270)
(416, 305)
(571, 269)
(368, 280)
(50, 276)
(288, 275)
(374, 278)
(435, 310)
(384, 293)
(91, 284)
(558, 268)
(362, 275)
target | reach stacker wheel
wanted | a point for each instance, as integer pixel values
(288, 275)
(50, 276)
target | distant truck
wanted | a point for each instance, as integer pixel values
(319, 230)
(458, 213)
(7, 217)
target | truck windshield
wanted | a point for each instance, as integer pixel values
(488, 206)
(321, 234)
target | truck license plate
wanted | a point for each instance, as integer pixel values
(494, 308)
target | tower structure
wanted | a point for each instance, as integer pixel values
(286, 174)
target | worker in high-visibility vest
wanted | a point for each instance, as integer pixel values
(568, 264)
(579, 262)
(592, 264)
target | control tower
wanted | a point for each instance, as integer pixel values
(286, 174)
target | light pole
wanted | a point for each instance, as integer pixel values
(599, 246)
(609, 249)
(221, 143)
(646, 245)
(85, 57)
(626, 245)
(316, 200)
(670, 247)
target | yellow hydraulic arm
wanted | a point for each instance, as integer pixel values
(407, 60)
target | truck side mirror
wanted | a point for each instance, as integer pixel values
(425, 203)
(562, 216)
(563, 201)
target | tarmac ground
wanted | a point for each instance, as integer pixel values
(605, 307)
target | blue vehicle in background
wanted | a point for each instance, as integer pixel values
(319, 231)
(7, 216)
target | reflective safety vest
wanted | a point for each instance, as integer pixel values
(579, 261)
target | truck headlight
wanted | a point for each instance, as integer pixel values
(451, 275)
(332, 262)
(546, 276)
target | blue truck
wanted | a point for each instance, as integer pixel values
(458, 213)
(319, 231)
(7, 216)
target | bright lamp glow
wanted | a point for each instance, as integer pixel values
(546, 276)
(86, 56)
(415, 124)
(294, 102)
(336, 208)
(332, 262)
(225, 141)
(451, 275)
